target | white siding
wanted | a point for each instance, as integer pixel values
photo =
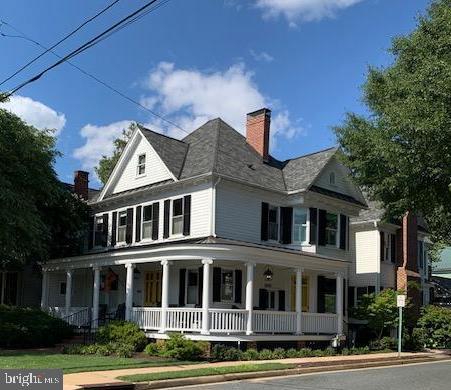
(156, 170)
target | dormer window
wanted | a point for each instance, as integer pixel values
(141, 168)
(332, 178)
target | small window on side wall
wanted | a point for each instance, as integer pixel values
(332, 178)
(141, 167)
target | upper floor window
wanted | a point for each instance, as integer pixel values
(122, 226)
(177, 216)
(387, 247)
(331, 229)
(299, 225)
(98, 231)
(332, 178)
(141, 167)
(273, 225)
(147, 222)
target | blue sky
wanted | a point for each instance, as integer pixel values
(193, 60)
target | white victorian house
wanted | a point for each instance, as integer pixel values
(213, 237)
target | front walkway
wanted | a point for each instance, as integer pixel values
(74, 381)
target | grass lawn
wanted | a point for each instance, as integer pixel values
(206, 372)
(74, 363)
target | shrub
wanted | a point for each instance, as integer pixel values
(291, 353)
(152, 349)
(385, 343)
(279, 353)
(179, 347)
(265, 354)
(305, 352)
(109, 349)
(434, 327)
(233, 354)
(30, 328)
(250, 354)
(122, 332)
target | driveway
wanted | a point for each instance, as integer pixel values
(421, 376)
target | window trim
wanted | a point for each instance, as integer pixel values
(307, 226)
(118, 226)
(278, 223)
(141, 165)
(171, 217)
(337, 231)
(143, 222)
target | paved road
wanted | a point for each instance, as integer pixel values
(429, 376)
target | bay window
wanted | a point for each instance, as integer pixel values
(299, 225)
(331, 229)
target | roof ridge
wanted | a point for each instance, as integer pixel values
(312, 153)
(160, 134)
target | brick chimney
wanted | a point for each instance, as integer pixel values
(257, 131)
(81, 180)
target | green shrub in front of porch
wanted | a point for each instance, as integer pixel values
(122, 332)
(178, 347)
(30, 328)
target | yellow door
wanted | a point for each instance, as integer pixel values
(152, 288)
(305, 293)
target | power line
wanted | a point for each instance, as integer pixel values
(95, 78)
(67, 36)
(116, 27)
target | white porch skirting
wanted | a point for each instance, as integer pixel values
(231, 321)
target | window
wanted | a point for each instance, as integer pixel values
(191, 287)
(387, 246)
(332, 178)
(331, 229)
(147, 222)
(329, 303)
(421, 254)
(141, 168)
(98, 231)
(63, 288)
(121, 226)
(226, 285)
(177, 216)
(299, 225)
(273, 223)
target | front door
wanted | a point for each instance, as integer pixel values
(152, 288)
(305, 293)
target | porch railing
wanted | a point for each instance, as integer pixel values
(183, 319)
(319, 323)
(228, 321)
(274, 321)
(147, 318)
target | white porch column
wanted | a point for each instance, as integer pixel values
(164, 295)
(206, 296)
(339, 303)
(298, 301)
(44, 288)
(129, 291)
(250, 267)
(95, 297)
(68, 296)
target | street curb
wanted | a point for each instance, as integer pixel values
(168, 383)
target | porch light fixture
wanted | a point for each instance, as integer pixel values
(268, 274)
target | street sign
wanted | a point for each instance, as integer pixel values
(401, 301)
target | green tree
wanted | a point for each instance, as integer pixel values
(107, 163)
(39, 217)
(401, 153)
(379, 310)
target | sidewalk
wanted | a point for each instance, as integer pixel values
(74, 381)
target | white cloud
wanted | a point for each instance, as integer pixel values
(35, 113)
(303, 10)
(189, 98)
(99, 142)
(261, 56)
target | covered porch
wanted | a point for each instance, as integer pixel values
(216, 297)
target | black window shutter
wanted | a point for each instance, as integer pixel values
(371, 289)
(321, 297)
(263, 299)
(105, 230)
(113, 228)
(186, 215)
(129, 227)
(322, 227)
(138, 224)
(238, 285)
(393, 247)
(351, 300)
(382, 243)
(264, 221)
(200, 285)
(281, 300)
(182, 281)
(155, 220)
(167, 207)
(216, 284)
(313, 224)
(286, 223)
(343, 230)
(91, 232)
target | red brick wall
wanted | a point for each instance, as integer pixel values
(81, 184)
(257, 131)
